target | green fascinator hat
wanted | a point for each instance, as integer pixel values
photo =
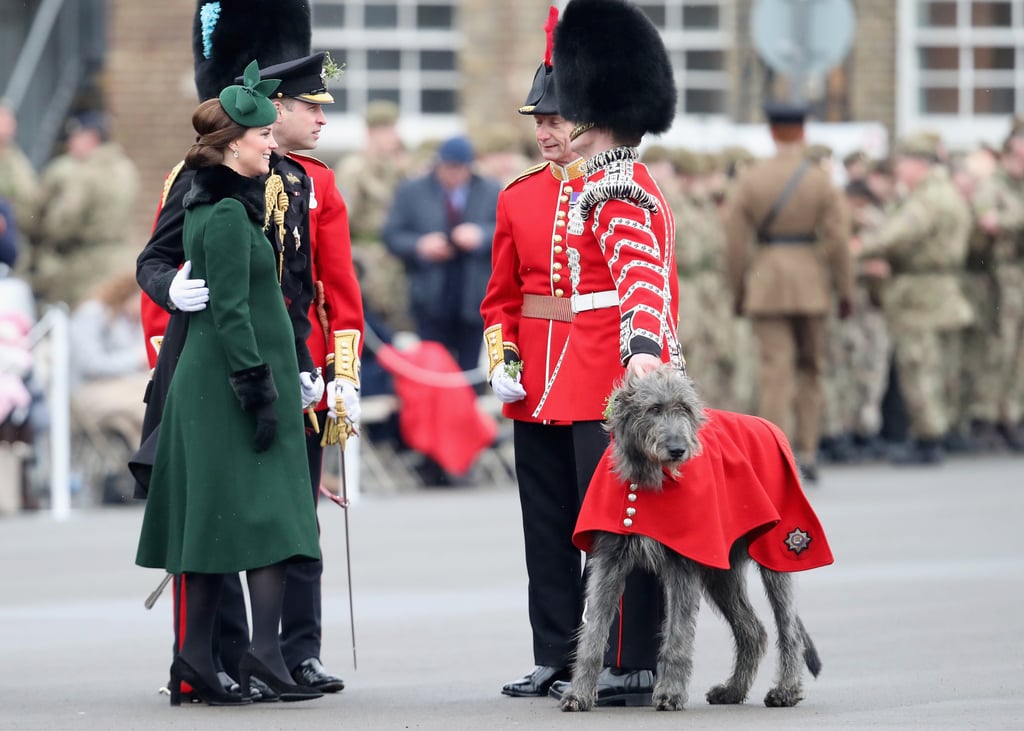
(247, 103)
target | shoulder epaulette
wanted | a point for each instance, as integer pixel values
(533, 169)
(169, 181)
(310, 158)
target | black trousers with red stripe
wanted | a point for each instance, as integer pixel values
(300, 612)
(554, 464)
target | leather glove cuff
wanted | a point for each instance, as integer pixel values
(254, 387)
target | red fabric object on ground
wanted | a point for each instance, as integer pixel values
(439, 416)
(744, 483)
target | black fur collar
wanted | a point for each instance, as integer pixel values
(215, 183)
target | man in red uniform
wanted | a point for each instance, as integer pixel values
(317, 278)
(564, 290)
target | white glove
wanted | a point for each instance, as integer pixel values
(188, 295)
(506, 388)
(312, 386)
(349, 398)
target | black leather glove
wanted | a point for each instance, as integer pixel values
(266, 427)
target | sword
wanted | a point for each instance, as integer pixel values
(346, 367)
(155, 594)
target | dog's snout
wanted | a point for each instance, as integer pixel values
(677, 454)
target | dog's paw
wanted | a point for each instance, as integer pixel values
(574, 703)
(722, 695)
(668, 702)
(783, 697)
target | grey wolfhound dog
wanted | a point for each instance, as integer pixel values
(654, 420)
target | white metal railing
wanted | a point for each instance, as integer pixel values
(53, 328)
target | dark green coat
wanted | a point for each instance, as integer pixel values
(216, 505)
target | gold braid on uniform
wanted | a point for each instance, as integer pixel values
(277, 203)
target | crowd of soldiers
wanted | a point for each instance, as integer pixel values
(929, 360)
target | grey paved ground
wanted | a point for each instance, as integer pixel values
(920, 621)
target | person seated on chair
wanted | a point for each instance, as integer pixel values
(109, 369)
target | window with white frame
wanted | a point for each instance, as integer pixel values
(961, 65)
(399, 50)
(698, 35)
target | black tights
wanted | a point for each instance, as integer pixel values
(202, 597)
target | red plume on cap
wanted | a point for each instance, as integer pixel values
(549, 29)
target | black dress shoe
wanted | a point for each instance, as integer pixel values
(616, 687)
(310, 672)
(536, 682)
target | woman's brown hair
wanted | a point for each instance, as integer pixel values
(214, 130)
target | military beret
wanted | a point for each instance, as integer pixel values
(785, 113)
(381, 113)
(689, 162)
(920, 145)
(655, 153)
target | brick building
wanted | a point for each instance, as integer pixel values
(955, 66)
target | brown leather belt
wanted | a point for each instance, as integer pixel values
(547, 308)
(563, 309)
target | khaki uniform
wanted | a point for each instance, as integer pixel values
(368, 186)
(83, 228)
(786, 284)
(1002, 392)
(20, 185)
(925, 242)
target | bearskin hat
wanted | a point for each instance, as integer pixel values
(228, 34)
(612, 70)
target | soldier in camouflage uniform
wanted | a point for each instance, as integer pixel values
(999, 206)
(367, 179)
(867, 342)
(707, 324)
(924, 243)
(19, 183)
(837, 379)
(977, 402)
(83, 228)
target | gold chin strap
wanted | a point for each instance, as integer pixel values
(580, 129)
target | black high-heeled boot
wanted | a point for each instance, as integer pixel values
(252, 666)
(211, 695)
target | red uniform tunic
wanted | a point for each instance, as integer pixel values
(744, 483)
(528, 257)
(621, 238)
(332, 262)
(617, 236)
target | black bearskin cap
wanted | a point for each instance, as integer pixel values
(612, 70)
(228, 34)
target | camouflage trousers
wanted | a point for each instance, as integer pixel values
(1010, 342)
(857, 353)
(928, 365)
(979, 386)
(707, 337)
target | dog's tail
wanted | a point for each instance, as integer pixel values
(810, 651)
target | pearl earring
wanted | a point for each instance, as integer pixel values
(235, 153)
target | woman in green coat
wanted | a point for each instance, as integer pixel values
(230, 485)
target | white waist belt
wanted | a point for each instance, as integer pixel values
(595, 300)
